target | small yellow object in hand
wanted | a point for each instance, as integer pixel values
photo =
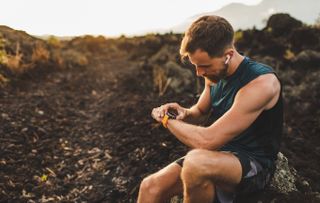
(44, 178)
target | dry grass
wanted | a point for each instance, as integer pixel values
(13, 62)
(289, 55)
(160, 80)
(57, 59)
(40, 54)
(3, 80)
(74, 58)
(54, 42)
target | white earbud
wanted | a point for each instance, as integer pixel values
(227, 60)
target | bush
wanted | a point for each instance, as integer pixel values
(54, 42)
(13, 62)
(3, 53)
(73, 58)
(40, 54)
(3, 80)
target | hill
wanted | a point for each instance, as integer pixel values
(242, 16)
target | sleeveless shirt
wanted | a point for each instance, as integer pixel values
(261, 140)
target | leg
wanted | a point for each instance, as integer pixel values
(162, 185)
(204, 170)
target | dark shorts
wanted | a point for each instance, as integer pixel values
(254, 176)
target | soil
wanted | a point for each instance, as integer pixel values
(86, 135)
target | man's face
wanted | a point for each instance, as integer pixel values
(212, 68)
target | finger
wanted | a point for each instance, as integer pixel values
(153, 114)
(162, 113)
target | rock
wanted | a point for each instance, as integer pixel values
(173, 77)
(305, 38)
(182, 78)
(269, 61)
(283, 181)
(165, 54)
(281, 24)
(284, 177)
(176, 199)
(305, 183)
(307, 59)
(317, 196)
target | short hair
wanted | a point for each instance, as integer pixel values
(212, 34)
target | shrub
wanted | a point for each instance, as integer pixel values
(74, 58)
(40, 54)
(13, 62)
(160, 80)
(54, 42)
(289, 54)
(3, 53)
(3, 80)
(238, 35)
(57, 58)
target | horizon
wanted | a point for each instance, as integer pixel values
(97, 17)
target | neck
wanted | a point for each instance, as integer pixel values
(234, 63)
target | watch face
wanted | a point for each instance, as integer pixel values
(172, 114)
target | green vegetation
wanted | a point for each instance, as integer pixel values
(238, 35)
(54, 42)
(289, 54)
(3, 53)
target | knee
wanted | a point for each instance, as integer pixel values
(150, 186)
(195, 160)
(192, 165)
(196, 166)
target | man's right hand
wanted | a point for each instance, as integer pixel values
(159, 112)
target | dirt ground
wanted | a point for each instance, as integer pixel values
(86, 135)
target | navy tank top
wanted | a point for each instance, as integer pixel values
(261, 140)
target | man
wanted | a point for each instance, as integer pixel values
(236, 153)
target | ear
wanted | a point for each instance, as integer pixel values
(227, 59)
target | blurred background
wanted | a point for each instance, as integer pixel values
(78, 81)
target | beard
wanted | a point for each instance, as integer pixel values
(222, 74)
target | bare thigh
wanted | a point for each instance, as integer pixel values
(223, 168)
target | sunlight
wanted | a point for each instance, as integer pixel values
(80, 17)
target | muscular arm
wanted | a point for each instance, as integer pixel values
(259, 95)
(197, 113)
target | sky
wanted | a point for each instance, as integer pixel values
(102, 17)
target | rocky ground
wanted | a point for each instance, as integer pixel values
(83, 133)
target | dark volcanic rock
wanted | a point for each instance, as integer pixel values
(305, 38)
(282, 24)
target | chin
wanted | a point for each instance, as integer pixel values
(212, 80)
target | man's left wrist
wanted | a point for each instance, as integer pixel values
(166, 118)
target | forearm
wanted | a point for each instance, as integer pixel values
(191, 135)
(195, 116)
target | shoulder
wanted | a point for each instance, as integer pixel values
(268, 82)
(251, 70)
(266, 87)
(259, 68)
